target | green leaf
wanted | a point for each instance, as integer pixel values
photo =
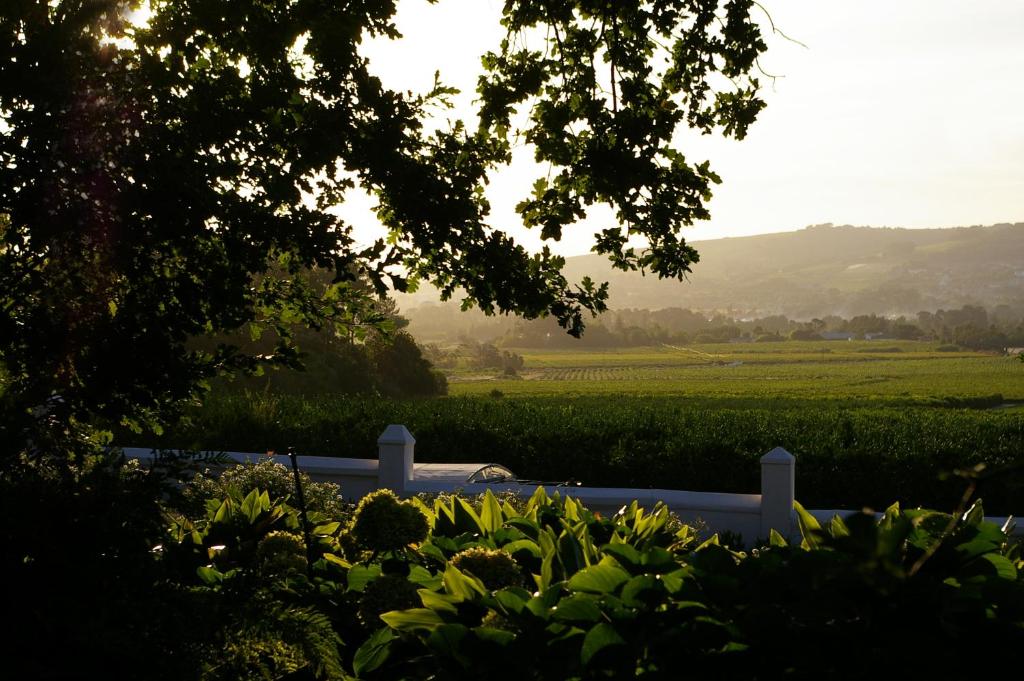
(439, 602)
(1004, 569)
(491, 635)
(491, 517)
(424, 577)
(976, 548)
(570, 551)
(466, 519)
(538, 499)
(578, 608)
(522, 545)
(412, 619)
(210, 575)
(461, 585)
(326, 530)
(446, 640)
(643, 590)
(222, 511)
(837, 528)
(360, 575)
(337, 560)
(597, 639)
(512, 599)
(657, 559)
(810, 530)
(374, 652)
(627, 556)
(600, 579)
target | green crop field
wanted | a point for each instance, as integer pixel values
(760, 374)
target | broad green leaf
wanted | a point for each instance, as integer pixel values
(461, 585)
(543, 580)
(837, 528)
(374, 652)
(424, 577)
(326, 530)
(643, 590)
(412, 619)
(512, 600)
(508, 510)
(492, 635)
(222, 511)
(491, 518)
(466, 519)
(522, 545)
(657, 559)
(439, 602)
(538, 499)
(809, 527)
(446, 640)
(776, 539)
(578, 608)
(597, 639)
(337, 560)
(627, 556)
(601, 579)
(1004, 568)
(570, 551)
(251, 506)
(210, 575)
(673, 581)
(976, 548)
(360, 575)
(571, 510)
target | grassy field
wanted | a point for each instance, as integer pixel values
(761, 374)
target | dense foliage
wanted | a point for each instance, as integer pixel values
(154, 167)
(846, 457)
(541, 589)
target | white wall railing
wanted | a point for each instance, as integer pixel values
(751, 515)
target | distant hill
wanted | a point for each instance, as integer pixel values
(825, 269)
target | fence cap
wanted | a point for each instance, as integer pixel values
(778, 457)
(396, 434)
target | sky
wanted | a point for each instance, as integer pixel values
(899, 114)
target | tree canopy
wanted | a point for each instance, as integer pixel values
(158, 159)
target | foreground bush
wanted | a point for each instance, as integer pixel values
(450, 588)
(553, 591)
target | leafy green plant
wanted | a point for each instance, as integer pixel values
(274, 478)
(384, 523)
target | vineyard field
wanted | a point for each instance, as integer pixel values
(758, 374)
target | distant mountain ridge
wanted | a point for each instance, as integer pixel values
(826, 269)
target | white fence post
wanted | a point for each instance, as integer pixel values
(394, 458)
(778, 490)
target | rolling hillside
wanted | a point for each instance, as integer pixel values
(824, 270)
(835, 270)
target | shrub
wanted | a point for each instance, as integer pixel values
(384, 523)
(386, 593)
(494, 568)
(282, 553)
(274, 478)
